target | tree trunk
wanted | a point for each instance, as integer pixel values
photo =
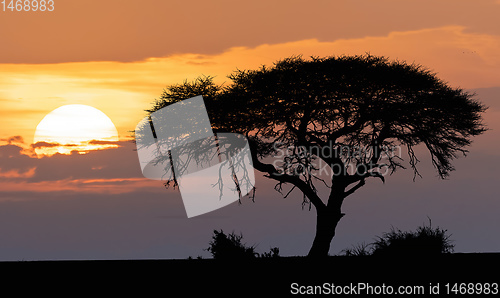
(326, 223)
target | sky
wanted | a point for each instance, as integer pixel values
(118, 56)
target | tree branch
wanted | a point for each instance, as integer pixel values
(272, 173)
(355, 187)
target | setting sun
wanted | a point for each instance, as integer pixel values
(74, 127)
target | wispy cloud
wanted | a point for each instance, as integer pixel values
(13, 140)
(47, 145)
(82, 186)
(47, 148)
(18, 174)
(101, 142)
(110, 171)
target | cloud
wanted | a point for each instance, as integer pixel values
(13, 140)
(101, 142)
(14, 158)
(111, 171)
(83, 186)
(121, 162)
(17, 174)
(46, 145)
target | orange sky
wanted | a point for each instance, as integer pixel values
(119, 61)
(123, 90)
(118, 55)
(125, 30)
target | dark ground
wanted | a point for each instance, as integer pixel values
(262, 277)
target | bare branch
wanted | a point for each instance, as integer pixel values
(272, 173)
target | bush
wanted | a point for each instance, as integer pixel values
(225, 247)
(424, 241)
(274, 252)
(229, 246)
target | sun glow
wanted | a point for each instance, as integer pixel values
(74, 127)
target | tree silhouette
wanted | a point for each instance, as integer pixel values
(347, 114)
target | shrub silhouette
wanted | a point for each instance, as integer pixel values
(225, 247)
(229, 246)
(424, 241)
(274, 252)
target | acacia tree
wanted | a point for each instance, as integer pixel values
(347, 113)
